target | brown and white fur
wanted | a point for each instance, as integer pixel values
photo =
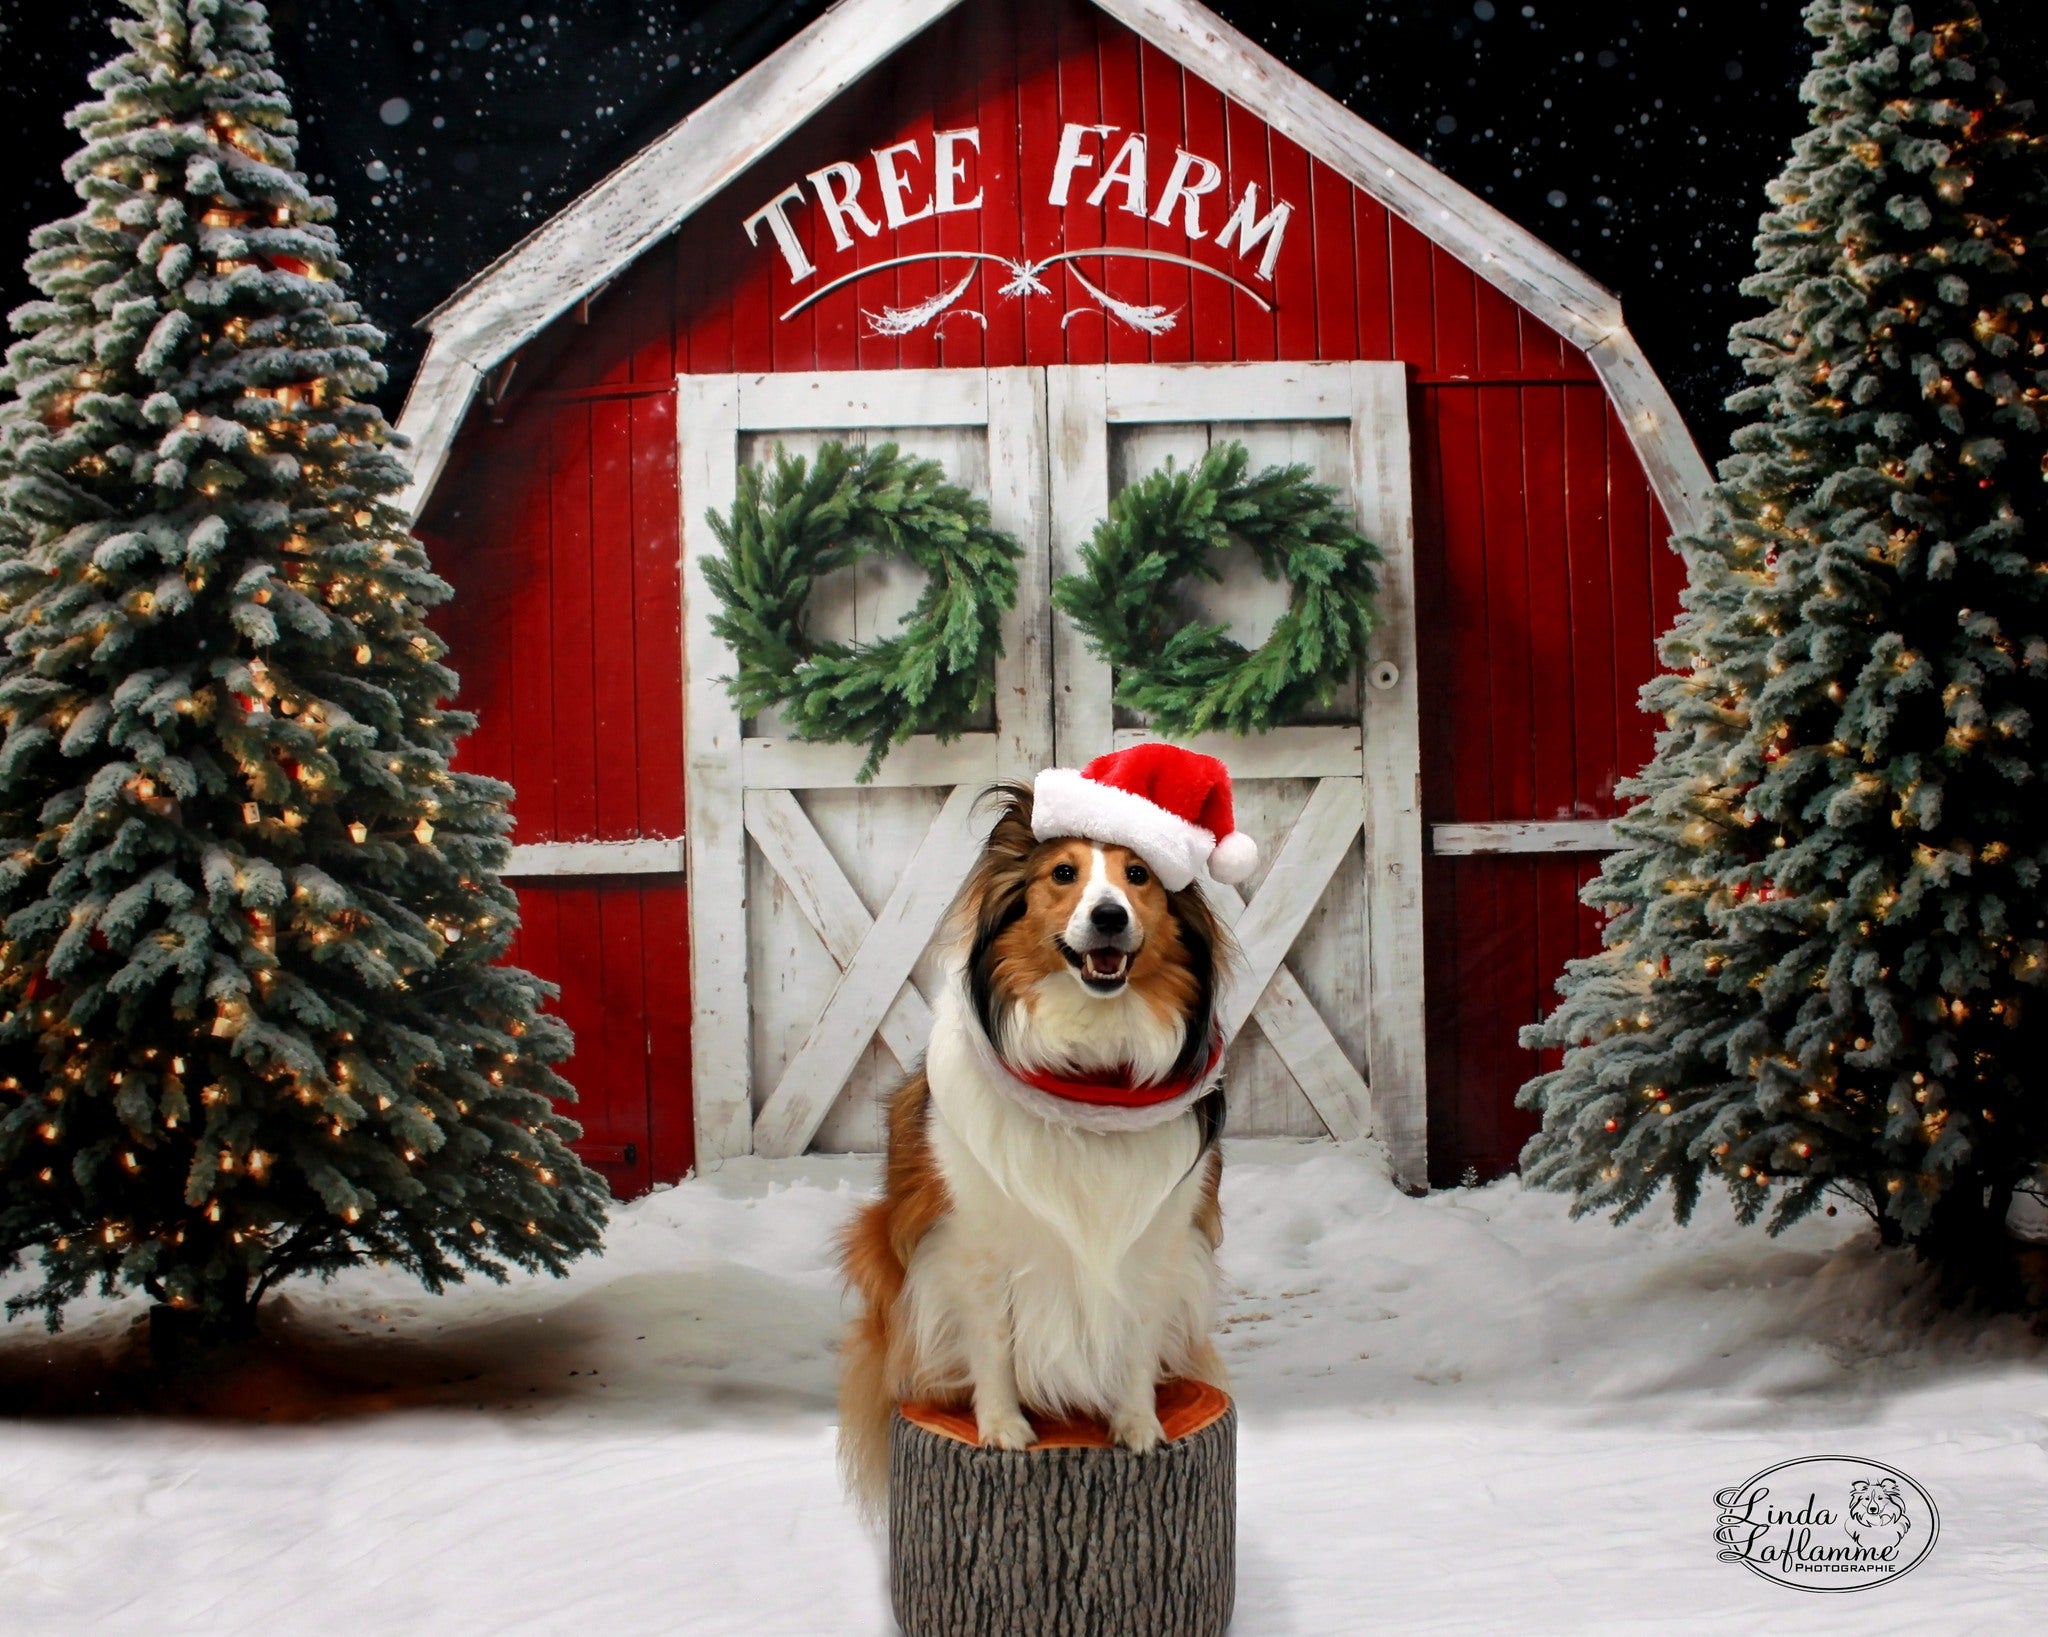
(1011, 1260)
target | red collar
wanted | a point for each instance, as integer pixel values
(1119, 1092)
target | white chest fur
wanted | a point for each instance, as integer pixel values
(1078, 1248)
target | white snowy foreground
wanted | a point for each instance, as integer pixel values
(1459, 1414)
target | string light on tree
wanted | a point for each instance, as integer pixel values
(198, 753)
(1857, 950)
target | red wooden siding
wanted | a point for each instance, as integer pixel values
(1547, 573)
(1542, 570)
(558, 531)
(1351, 281)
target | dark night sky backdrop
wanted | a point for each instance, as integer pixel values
(1636, 137)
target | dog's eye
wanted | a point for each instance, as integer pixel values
(1137, 874)
(1065, 874)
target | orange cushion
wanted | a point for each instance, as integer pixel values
(1185, 1408)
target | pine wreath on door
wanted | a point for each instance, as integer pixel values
(815, 898)
(1331, 995)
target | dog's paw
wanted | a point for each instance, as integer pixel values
(1137, 1430)
(1006, 1429)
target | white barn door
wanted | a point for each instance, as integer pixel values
(814, 900)
(1328, 1011)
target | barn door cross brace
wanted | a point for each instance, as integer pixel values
(741, 790)
(1265, 991)
(870, 982)
(1048, 458)
(797, 853)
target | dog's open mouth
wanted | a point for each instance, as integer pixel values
(1103, 969)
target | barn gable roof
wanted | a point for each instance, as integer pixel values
(593, 239)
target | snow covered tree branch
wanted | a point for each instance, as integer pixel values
(1827, 946)
(252, 1020)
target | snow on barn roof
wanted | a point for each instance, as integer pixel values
(587, 244)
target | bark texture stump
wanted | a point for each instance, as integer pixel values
(1072, 1537)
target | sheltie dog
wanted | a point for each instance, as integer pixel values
(1048, 1224)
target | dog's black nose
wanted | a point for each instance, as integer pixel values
(1109, 918)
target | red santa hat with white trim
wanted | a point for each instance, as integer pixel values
(1168, 805)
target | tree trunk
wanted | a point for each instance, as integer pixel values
(180, 1336)
(1968, 1242)
(1070, 1538)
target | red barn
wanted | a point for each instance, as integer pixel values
(1049, 242)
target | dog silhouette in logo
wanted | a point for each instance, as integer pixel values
(1877, 1514)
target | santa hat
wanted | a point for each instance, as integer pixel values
(1169, 806)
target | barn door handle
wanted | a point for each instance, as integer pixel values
(612, 1153)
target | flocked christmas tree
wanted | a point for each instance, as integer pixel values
(250, 1015)
(1824, 968)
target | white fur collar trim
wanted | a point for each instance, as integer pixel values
(1058, 1111)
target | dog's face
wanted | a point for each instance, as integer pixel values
(1099, 907)
(1077, 945)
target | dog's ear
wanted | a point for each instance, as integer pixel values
(1210, 949)
(1010, 837)
(994, 893)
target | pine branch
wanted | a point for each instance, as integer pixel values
(1825, 944)
(248, 991)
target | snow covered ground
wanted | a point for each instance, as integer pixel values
(1459, 1414)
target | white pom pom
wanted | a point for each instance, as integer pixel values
(1233, 859)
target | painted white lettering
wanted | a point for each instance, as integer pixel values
(949, 169)
(1191, 177)
(776, 214)
(895, 186)
(1248, 228)
(1127, 168)
(840, 207)
(1071, 158)
(1254, 231)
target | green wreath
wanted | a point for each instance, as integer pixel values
(1191, 677)
(799, 520)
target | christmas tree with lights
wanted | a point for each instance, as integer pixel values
(1824, 967)
(252, 1023)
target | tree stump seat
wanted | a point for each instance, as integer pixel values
(1072, 1537)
